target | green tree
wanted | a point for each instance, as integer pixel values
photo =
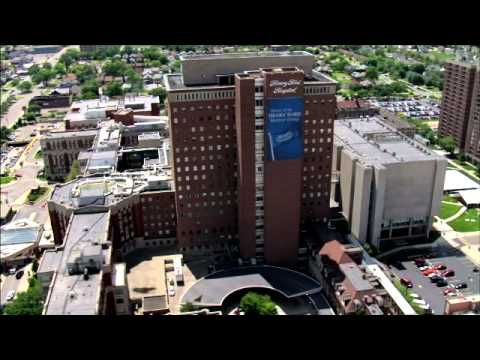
(418, 68)
(90, 90)
(28, 302)
(448, 143)
(256, 304)
(60, 69)
(371, 73)
(15, 82)
(160, 92)
(43, 75)
(34, 69)
(187, 307)
(115, 68)
(84, 72)
(114, 89)
(415, 78)
(33, 108)
(25, 86)
(74, 171)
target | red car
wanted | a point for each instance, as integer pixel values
(420, 262)
(439, 267)
(448, 291)
(429, 271)
(449, 272)
(407, 282)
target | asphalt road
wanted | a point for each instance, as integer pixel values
(12, 193)
(10, 282)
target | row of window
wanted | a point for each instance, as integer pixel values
(201, 108)
(201, 118)
(203, 95)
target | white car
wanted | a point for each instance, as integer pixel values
(10, 295)
(422, 268)
(12, 271)
(171, 291)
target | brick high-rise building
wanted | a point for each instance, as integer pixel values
(459, 116)
(251, 142)
(472, 142)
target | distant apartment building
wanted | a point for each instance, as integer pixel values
(223, 111)
(460, 112)
(389, 187)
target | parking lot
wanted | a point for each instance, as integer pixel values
(429, 291)
(412, 108)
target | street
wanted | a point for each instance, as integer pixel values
(10, 282)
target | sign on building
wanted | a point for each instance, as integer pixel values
(284, 132)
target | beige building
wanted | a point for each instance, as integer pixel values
(389, 186)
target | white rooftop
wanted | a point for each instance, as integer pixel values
(471, 197)
(456, 181)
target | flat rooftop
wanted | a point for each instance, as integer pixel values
(71, 294)
(70, 134)
(96, 108)
(240, 55)
(376, 142)
(456, 181)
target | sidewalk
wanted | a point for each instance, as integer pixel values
(458, 214)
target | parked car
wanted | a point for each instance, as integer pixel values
(475, 269)
(423, 268)
(462, 285)
(429, 271)
(419, 262)
(440, 266)
(407, 282)
(442, 282)
(435, 278)
(12, 271)
(449, 291)
(19, 274)
(448, 273)
(10, 295)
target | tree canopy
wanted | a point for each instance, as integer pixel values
(24, 86)
(74, 171)
(160, 92)
(256, 304)
(28, 302)
(114, 89)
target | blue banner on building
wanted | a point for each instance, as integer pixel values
(284, 128)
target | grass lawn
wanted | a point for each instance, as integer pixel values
(450, 199)
(447, 210)
(342, 78)
(469, 221)
(6, 179)
(35, 194)
(465, 165)
(406, 294)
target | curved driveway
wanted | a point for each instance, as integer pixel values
(213, 289)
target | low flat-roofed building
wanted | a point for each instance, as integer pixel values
(355, 109)
(471, 198)
(70, 292)
(348, 283)
(18, 241)
(390, 187)
(456, 181)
